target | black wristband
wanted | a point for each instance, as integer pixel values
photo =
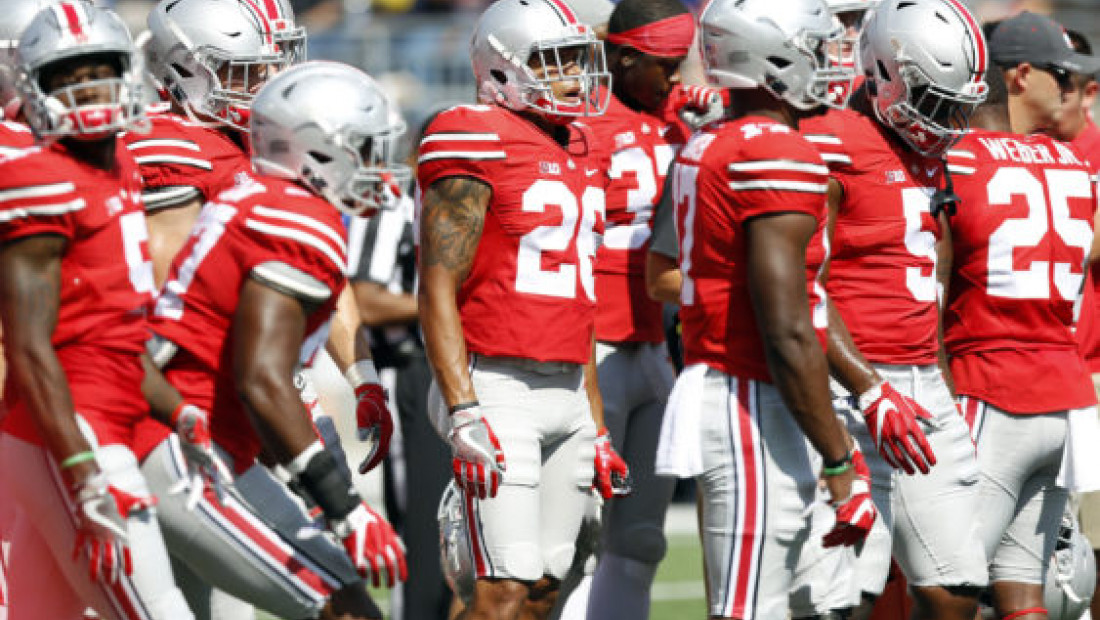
(463, 407)
(326, 483)
(838, 466)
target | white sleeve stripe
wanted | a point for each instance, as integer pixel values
(174, 159)
(836, 158)
(36, 191)
(820, 138)
(963, 154)
(42, 210)
(301, 236)
(963, 170)
(461, 155)
(304, 220)
(166, 143)
(794, 186)
(320, 292)
(461, 137)
(787, 165)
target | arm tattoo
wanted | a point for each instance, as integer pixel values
(453, 217)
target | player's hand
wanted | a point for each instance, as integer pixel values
(699, 105)
(612, 477)
(478, 460)
(856, 514)
(372, 417)
(192, 426)
(373, 546)
(101, 527)
(892, 419)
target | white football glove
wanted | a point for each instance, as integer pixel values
(478, 460)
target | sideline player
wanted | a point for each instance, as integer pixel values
(1019, 240)
(513, 198)
(251, 291)
(749, 194)
(74, 285)
(647, 42)
(881, 283)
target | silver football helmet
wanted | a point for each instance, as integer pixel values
(1071, 576)
(850, 15)
(925, 63)
(212, 56)
(330, 126)
(456, 555)
(777, 45)
(520, 48)
(69, 31)
(13, 19)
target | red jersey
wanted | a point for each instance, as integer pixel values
(106, 280)
(261, 220)
(530, 292)
(728, 173)
(13, 137)
(178, 152)
(1087, 143)
(640, 154)
(1020, 236)
(882, 276)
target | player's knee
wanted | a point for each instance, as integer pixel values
(643, 543)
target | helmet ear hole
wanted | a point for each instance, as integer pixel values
(883, 74)
(320, 157)
(499, 76)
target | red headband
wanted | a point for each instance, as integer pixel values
(669, 37)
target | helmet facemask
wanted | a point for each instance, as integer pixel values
(928, 117)
(234, 82)
(574, 63)
(830, 81)
(88, 110)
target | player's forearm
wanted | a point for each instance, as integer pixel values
(592, 387)
(662, 278)
(444, 341)
(378, 307)
(277, 411)
(342, 331)
(798, 367)
(846, 363)
(162, 396)
(42, 385)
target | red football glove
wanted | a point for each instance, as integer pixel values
(612, 478)
(372, 416)
(478, 460)
(892, 419)
(856, 514)
(699, 105)
(193, 429)
(373, 546)
(101, 527)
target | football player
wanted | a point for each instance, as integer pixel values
(1019, 239)
(647, 42)
(513, 200)
(74, 282)
(14, 135)
(750, 416)
(881, 282)
(248, 300)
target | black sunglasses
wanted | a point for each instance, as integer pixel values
(1061, 76)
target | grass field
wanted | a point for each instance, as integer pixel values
(678, 593)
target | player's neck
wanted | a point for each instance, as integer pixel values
(560, 133)
(992, 118)
(96, 153)
(759, 102)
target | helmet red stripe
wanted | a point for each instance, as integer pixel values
(264, 21)
(272, 9)
(981, 57)
(567, 13)
(72, 19)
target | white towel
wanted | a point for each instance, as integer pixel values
(1080, 470)
(679, 452)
